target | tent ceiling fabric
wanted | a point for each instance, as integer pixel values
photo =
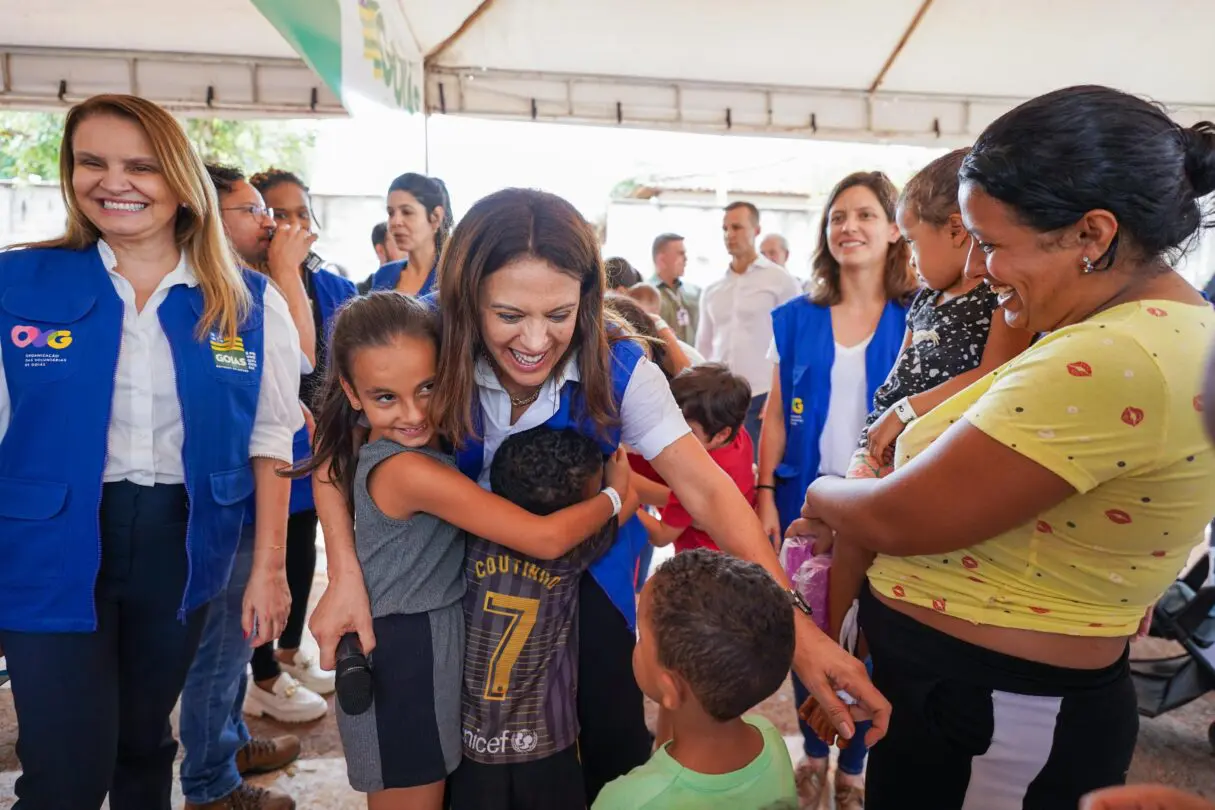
(808, 68)
(170, 51)
(800, 68)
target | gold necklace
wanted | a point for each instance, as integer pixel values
(524, 401)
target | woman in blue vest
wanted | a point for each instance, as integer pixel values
(524, 344)
(324, 292)
(149, 393)
(832, 349)
(419, 219)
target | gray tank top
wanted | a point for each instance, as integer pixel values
(410, 566)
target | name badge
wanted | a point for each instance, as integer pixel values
(683, 317)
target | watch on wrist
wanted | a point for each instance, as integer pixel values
(904, 411)
(799, 601)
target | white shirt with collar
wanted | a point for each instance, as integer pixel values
(650, 420)
(736, 319)
(146, 431)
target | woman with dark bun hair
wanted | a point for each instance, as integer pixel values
(1032, 519)
(419, 220)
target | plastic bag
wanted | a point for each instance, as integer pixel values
(810, 574)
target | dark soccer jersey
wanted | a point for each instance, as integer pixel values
(520, 654)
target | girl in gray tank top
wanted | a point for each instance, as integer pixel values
(412, 508)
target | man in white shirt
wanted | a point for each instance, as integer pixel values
(775, 248)
(736, 311)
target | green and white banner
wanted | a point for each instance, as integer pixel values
(362, 49)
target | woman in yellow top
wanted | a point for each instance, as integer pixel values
(1034, 517)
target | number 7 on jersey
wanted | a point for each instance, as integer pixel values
(521, 611)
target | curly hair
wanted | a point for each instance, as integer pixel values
(725, 626)
(545, 470)
(264, 181)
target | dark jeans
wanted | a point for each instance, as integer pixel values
(301, 566)
(93, 708)
(611, 710)
(212, 724)
(754, 420)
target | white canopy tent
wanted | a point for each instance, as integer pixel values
(912, 71)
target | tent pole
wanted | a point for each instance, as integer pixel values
(914, 24)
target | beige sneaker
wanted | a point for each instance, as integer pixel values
(288, 703)
(308, 672)
(810, 776)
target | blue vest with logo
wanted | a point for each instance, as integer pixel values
(615, 569)
(805, 343)
(331, 292)
(387, 277)
(60, 333)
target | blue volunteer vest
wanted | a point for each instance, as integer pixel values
(806, 345)
(331, 292)
(60, 332)
(614, 570)
(387, 277)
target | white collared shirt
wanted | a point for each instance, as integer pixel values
(736, 319)
(146, 432)
(650, 420)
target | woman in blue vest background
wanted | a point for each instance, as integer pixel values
(524, 343)
(150, 389)
(419, 219)
(324, 291)
(832, 349)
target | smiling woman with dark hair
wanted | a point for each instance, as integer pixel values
(998, 622)
(524, 344)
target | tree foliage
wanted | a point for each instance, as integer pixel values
(29, 144)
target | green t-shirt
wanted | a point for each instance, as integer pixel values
(766, 783)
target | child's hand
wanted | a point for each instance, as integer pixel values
(819, 722)
(618, 473)
(882, 435)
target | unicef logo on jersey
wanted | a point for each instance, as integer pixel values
(524, 741)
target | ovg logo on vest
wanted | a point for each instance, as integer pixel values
(230, 353)
(51, 343)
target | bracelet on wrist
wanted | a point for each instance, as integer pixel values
(614, 497)
(771, 487)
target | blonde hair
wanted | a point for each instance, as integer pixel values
(198, 231)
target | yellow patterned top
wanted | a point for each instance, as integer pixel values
(1113, 406)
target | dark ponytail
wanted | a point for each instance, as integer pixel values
(375, 319)
(431, 192)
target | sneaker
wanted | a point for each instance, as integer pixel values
(849, 797)
(810, 776)
(247, 797)
(308, 672)
(288, 703)
(263, 756)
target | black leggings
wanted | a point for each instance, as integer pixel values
(974, 729)
(301, 566)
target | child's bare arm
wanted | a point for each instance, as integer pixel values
(651, 492)
(849, 564)
(661, 534)
(411, 482)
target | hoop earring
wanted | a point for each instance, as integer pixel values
(1089, 267)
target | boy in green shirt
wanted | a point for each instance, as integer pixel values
(715, 637)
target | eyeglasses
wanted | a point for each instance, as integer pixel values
(255, 211)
